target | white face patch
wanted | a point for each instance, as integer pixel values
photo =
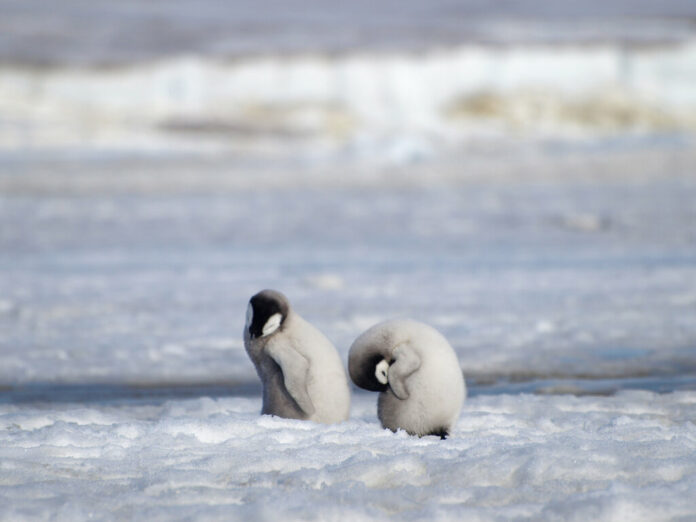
(382, 371)
(249, 315)
(271, 325)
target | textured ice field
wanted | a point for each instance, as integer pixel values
(134, 30)
(125, 391)
(534, 200)
(510, 457)
(586, 270)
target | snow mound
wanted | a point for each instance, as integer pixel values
(631, 456)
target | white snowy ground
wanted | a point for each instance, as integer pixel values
(533, 200)
(571, 265)
(125, 391)
(511, 457)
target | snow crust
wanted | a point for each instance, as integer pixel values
(531, 197)
(519, 457)
(558, 277)
(353, 103)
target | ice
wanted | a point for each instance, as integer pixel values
(560, 276)
(523, 456)
(520, 175)
(541, 272)
(136, 31)
(400, 107)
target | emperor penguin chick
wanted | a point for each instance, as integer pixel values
(302, 374)
(416, 371)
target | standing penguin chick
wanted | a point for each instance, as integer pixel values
(416, 371)
(302, 374)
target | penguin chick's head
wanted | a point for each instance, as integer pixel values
(369, 369)
(266, 313)
(382, 371)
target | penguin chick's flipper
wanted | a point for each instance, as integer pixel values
(406, 361)
(295, 368)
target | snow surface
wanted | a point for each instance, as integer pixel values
(561, 276)
(104, 32)
(533, 200)
(360, 101)
(125, 391)
(511, 457)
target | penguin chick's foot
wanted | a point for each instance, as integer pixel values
(440, 432)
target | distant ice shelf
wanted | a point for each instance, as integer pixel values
(359, 101)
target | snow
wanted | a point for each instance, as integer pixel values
(521, 177)
(553, 269)
(535, 276)
(630, 456)
(126, 393)
(409, 103)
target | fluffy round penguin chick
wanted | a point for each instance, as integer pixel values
(416, 372)
(302, 374)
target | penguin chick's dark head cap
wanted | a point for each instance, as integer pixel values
(266, 313)
(362, 367)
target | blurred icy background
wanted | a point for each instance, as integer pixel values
(521, 175)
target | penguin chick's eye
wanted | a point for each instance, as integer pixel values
(382, 371)
(249, 315)
(271, 325)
